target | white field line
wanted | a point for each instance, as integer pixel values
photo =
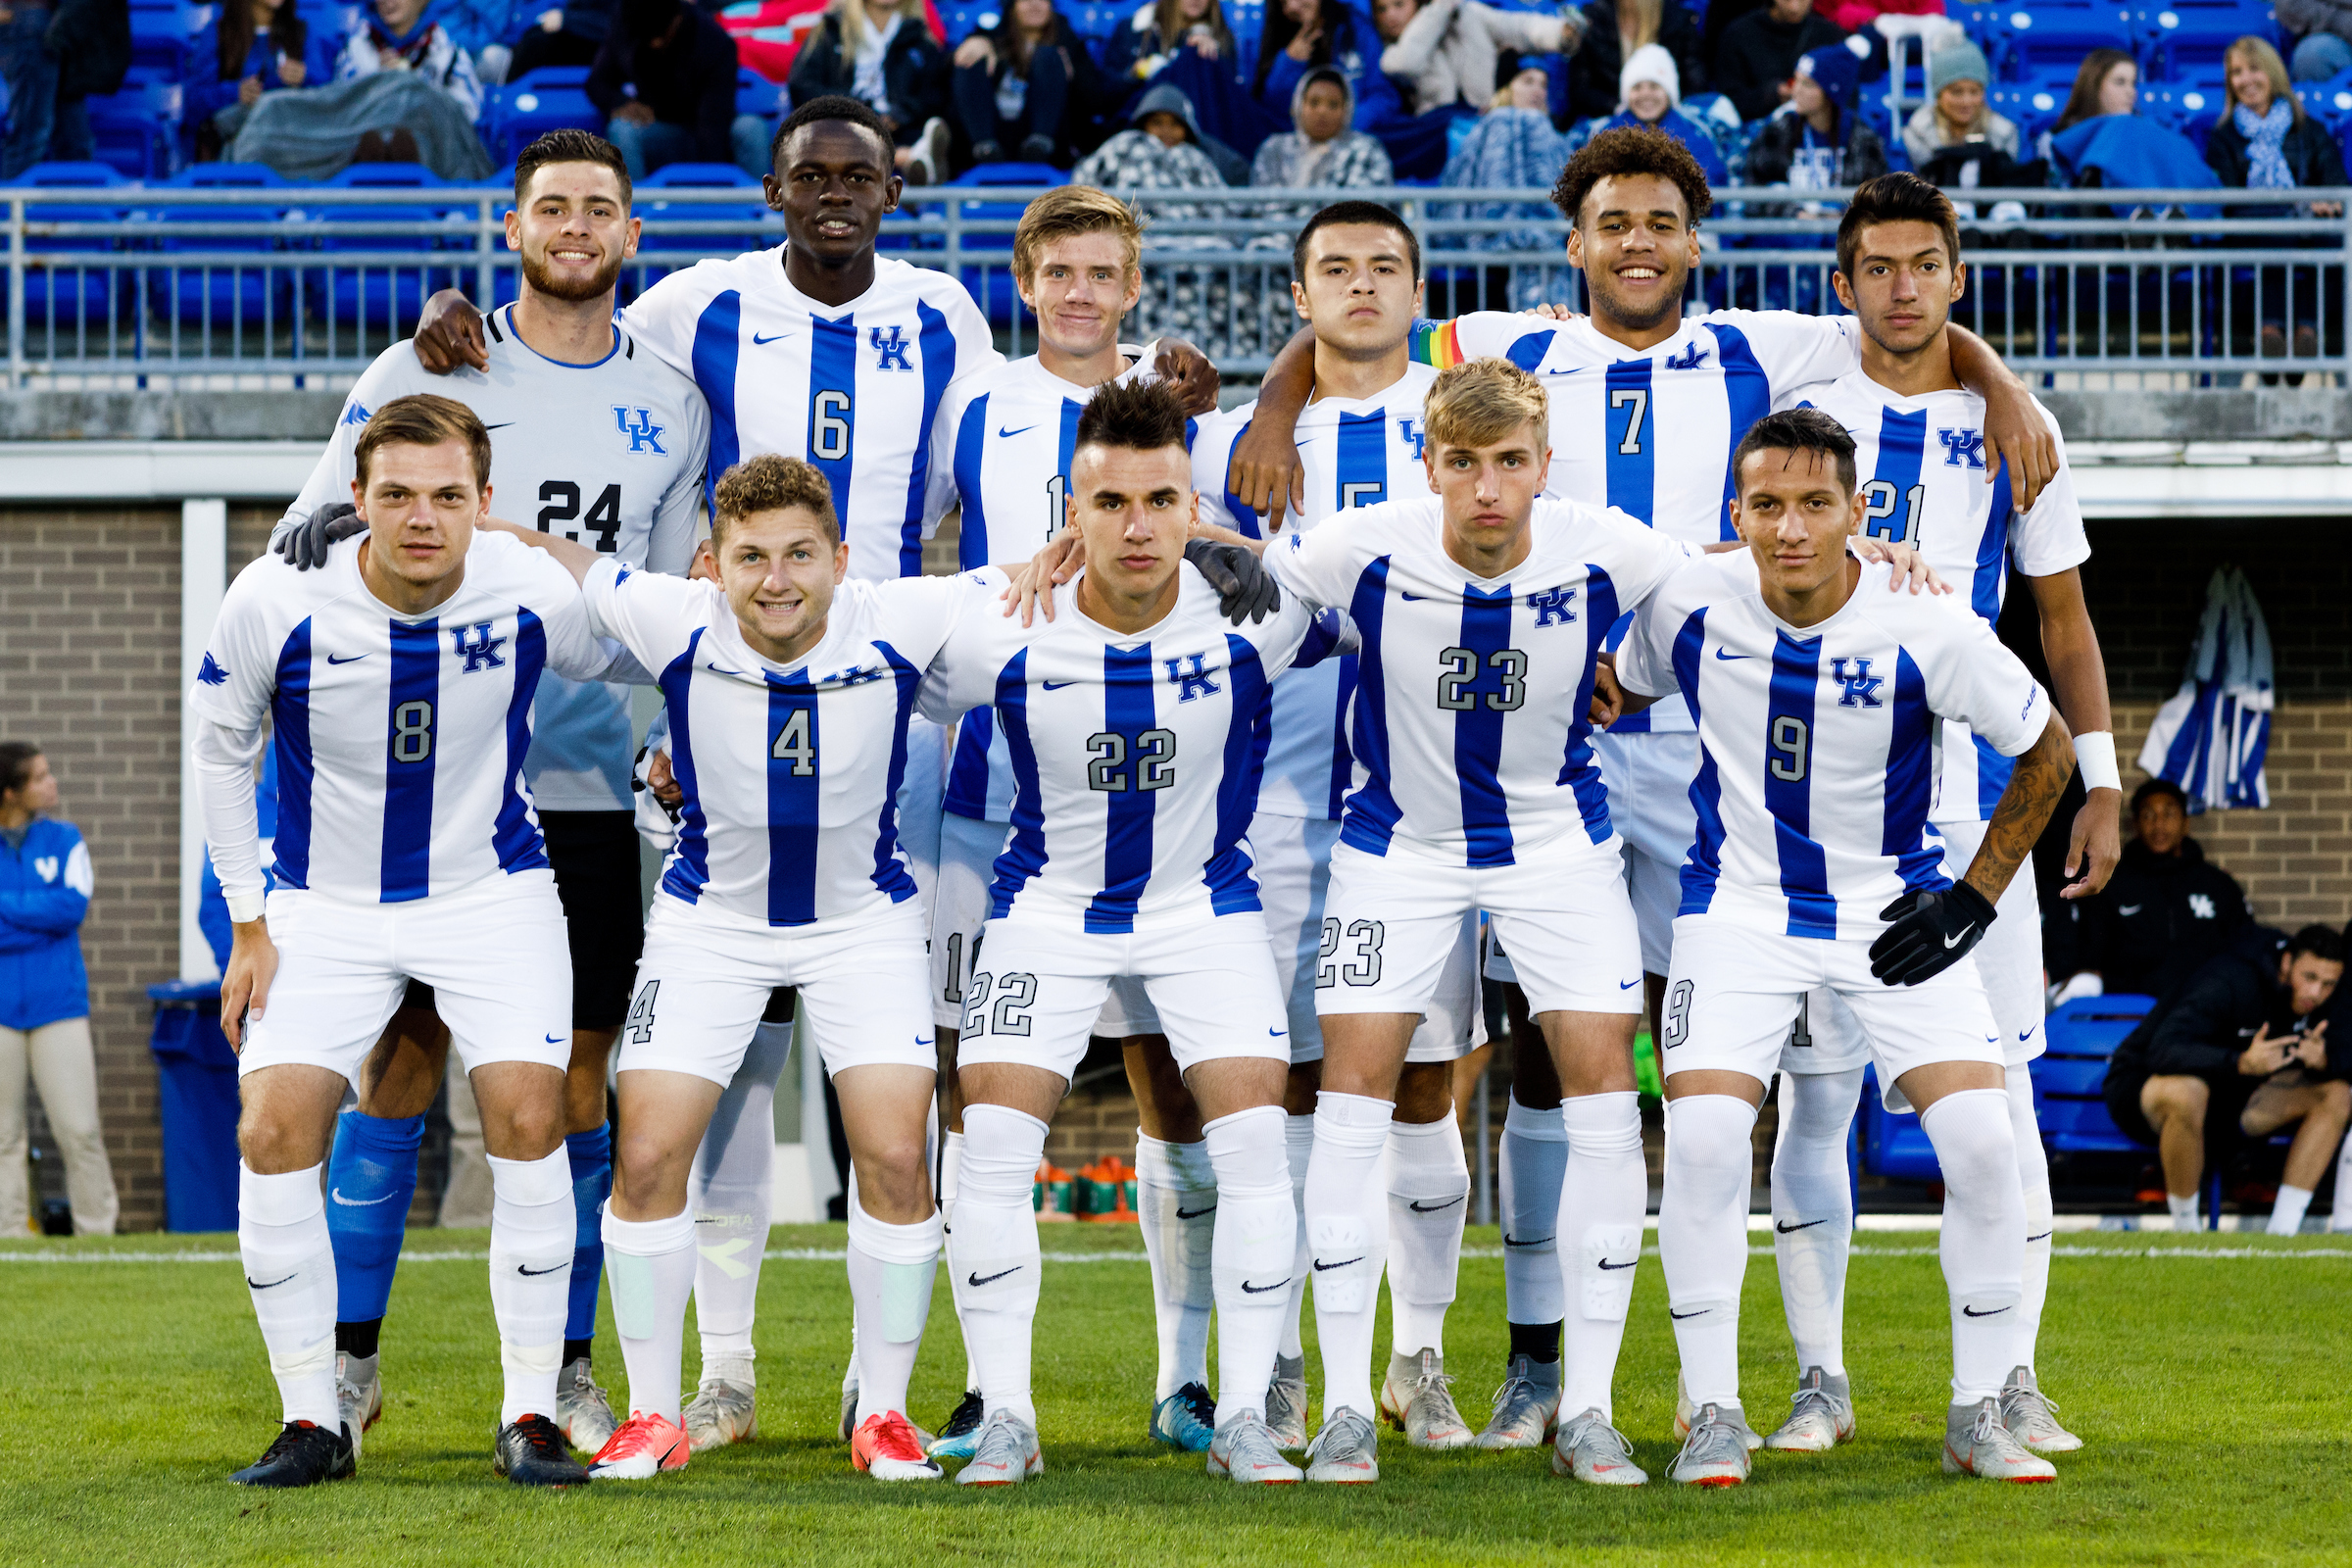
(824, 1254)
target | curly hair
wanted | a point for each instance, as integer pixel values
(1632, 150)
(773, 482)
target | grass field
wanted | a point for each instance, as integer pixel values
(2207, 1374)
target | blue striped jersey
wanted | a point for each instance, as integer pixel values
(1921, 463)
(610, 454)
(854, 388)
(1357, 452)
(789, 772)
(1817, 745)
(1135, 759)
(1469, 722)
(400, 740)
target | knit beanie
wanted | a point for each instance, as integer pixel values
(1651, 63)
(1836, 72)
(1957, 62)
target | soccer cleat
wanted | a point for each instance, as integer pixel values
(1684, 1412)
(2030, 1416)
(721, 1411)
(1527, 1407)
(1977, 1444)
(1346, 1452)
(886, 1447)
(1244, 1451)
(358, 1394)
(1005, 1454)
(1821, 1417)
(1186, 1420)
(1417, 1397)
(303, 1454)
(643, 1447)
(1589, 1449)
(848, 1411)
(1285, 1404)
(530, 1450)
(1715, 1453)
(582, 1412)
(961, 1435)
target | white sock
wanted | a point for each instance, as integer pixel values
(994, 1250)
(2033, 1186)
(1256, 1237)
(1702, 1237)
(533, 1229)
(891, 1268)
(2287, 1216)
(1428, 1196)
(2184, 1211)
(650, 1266)
(290, 1274)
(733, 1196)
(951, 1166)
(1813, 1212)
(1347, 1239)
(1533, 1165)
(1604, 1191)
(1177, 1194)
(1983, 1241)
(1298, 1142)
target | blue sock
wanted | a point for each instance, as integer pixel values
(591, 1184)
(369, 1180)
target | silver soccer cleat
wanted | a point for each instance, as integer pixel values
(1527, 1406)
(1590, 1450)
(848, 1411)
(1684, 1413)
(1977, 1444)
(721, 1411)
(2029, 1414)
(358, 1394)
(1244, 1451)
(1418, 1398)
(1346, 1452)
(1715, 1453)
(1006, 1454)
(1285, 1404)
(1821, 1415)
(582, 1412)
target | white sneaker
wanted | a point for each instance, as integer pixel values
(582, 1412)
(721, 1411)
(1417, 1397)
(1244, 1451)
(1977, 1444)
(929, 165)
(1715, 1453)
(1007, 1454)
(1821, 1415)
(1346, 1452)
(1589, 1449)
(2025, 1411)
(358, 1394)
(1684, 1413)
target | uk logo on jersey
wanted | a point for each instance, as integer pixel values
(1410, 430)
(890, 351)
(476, 647)
(643, 434)
(1690, 358)
(855, 675)
(1861, 686)
(1962, 447)
(1551, 607)
(1193, 683)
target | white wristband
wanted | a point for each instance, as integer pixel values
(244, 907)
(2095, 758)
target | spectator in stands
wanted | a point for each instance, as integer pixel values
(1817, 140)
(243, 52)
(45, 888)
(2264, 140)
(1025, 87)
(1163, 149)
(1650, 95)
(1163, 116)
(1755, 60)
(1322, 151)
(1956, 111)
(1159, 29)
(2239, 1051)
(399, 37)
(39, 128)
(2166, 911)
(1512, 145)
(2103, 140)
(682, 65)
(2108, 83)
(1301, 34)
(882, 53)
(562, 36)
(2325, 47)
(1613, 31)
(1449, 51)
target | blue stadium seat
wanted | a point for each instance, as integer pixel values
(70, 294)
(992, 285)
(1096, 23)
(2185, 36)
(2055, 34)
(137, 129)
(252, 296)
(1893, 1144)
(2034, 107)
(2189, 109)
(755, 95)
(2071, 1074)
(551, 98)
(719, 230)
(384, 297)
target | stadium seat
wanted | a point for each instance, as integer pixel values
(2183, 36)
(2071, 1074)
(137, 129)
(551, 98)
(61, 296)
(382, 297)
(2055, 34)
(230, 292)
(990, 283)
(2189, 109)
(720, 230)
(1893, 1144)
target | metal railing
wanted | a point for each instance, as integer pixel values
(253, 287)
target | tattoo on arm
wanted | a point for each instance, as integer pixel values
(2024, 810)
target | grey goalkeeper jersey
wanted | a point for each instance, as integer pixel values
(608, 453)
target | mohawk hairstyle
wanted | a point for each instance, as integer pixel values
(1136, 418)
(1798, 431)
(1632, 150)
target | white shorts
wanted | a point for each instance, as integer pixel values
(2008, 961)
(1734, 990)
(1648, 776)
(922, 796)
(496, 954)
(960, 904)
(1394, 922)
(1038, 990)
(706, 973)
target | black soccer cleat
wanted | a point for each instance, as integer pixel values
(304, 1454)
(530, 1452)
(960, 1437)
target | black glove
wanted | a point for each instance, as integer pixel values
(305, 543)
(1245, 590)
(1931, 932)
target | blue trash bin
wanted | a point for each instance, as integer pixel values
(196, 1076)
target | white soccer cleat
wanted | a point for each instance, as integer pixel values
(1821, 1415)
(582, 1412)
(1590, 1449)
(1346, 1452)
(1977, 1444)
(1244, 1451)
(358, 1394)
(888, 1447)
(1006, 1454)
(2027, 1413)
(1527, 1407)
(1417, 1397)
(1684, 1412)
(1715, 1453)
(721, 1411)
(1285, 1404)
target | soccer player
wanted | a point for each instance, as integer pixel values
(1818, 703)
(398, 681)
(1919, 450)
(788, 689)
(1133, 720)
(605, 445)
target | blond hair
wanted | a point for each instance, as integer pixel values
(2258, 53)
(773, 482)
(1638, 22)
(425, 420)
(856, 25)
(1478, 402)
(1065, 213)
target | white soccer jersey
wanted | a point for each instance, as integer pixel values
(1817, 745)
(610, 454)
(853, 388)
(1920, 461)
(1650, 431)
(791, 772)
(1469, 720)
(1136, 759)
(1357, 452)
(400, 740)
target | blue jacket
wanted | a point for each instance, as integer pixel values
(205, 93)
(44, 892)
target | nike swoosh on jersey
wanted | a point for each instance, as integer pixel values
(1806, 1225)
(1416, 1206)
(975, 1281)
(1606, 1263)
(1276, 1034)
(555, 1040)
(1057, 685)
(1260, 1290)
(353, 660)
(1414, 597)
(1004, 434)
(1628, 985)
(358, 1203)
(2044, 1236)
(762, 342)
(1720, 654)
(501, 425)
(1323, 1267)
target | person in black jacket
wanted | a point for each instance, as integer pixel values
(2238, 1050)
(54, 59)
(1758, 56)
(881, 53)
(1026, 89)
(2164, 912)
(2264, 141)
(1613, 31)
(683, 65)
